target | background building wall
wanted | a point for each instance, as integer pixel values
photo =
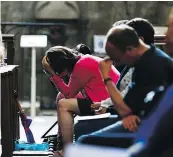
(83, 20)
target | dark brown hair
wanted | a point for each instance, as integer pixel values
(144, 29)
(61, 58)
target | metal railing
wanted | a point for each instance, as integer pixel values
(159, 39)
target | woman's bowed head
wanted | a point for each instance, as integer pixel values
(59, 60)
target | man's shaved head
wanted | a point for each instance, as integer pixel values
(123, 36)
(122, 44)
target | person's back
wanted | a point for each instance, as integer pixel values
(156, 63)
(153, 69)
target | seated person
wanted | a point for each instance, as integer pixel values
(156, 131)
(152, 68)
(84, 88)
(146, 33)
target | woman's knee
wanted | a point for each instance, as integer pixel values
(70, 105)
(59, 97)
(61, 104)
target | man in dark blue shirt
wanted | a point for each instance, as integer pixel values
(152, 66)
(152, 69)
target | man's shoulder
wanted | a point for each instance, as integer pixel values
(163, 58)
(162, 54)
(157, 56)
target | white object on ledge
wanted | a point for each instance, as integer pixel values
(105, 115)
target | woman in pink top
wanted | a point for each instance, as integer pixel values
(84, 88)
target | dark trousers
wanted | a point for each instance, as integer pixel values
(84, 127)
(114, 135)
(155, 132)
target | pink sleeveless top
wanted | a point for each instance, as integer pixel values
(86, 77)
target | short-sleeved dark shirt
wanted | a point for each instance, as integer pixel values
(154, 68)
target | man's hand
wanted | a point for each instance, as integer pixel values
(105, 67)
(47, 67)
(98, 109)
(169, 37)
(95, 106)
(101, 110)
(131, 122)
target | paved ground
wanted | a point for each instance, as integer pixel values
(39, 126)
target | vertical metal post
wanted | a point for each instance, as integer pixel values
(33, 82)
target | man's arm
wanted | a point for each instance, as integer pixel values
(78, 79)
(115, 95)
(117, 100)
